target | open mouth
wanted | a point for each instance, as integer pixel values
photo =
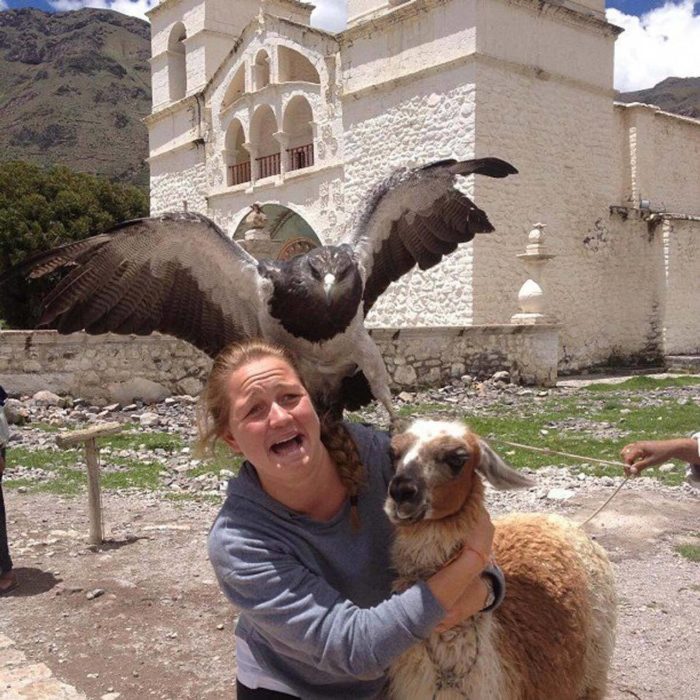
(407, 515)
(288, 446)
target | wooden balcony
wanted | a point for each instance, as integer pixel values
(268, 165)
(301, 156)
(239, 173)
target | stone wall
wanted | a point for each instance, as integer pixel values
(122, 368)
(110, 367)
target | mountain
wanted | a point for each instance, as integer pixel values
(677, 95)
(74, 87)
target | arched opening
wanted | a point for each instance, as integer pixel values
(177, 66)
(289, 234)
(294, 66)
(261, 70)
(298, 118)
(262, 129)
(235, 89)
(237, 158)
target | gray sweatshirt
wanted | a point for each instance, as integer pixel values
(315, 598)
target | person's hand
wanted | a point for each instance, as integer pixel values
(469, 604)
(650, 453)
(480, 539)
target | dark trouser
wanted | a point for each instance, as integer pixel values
(5, 561)
(243, 692)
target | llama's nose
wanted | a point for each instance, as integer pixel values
(403, 489)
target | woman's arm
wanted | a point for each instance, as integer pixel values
(304, 618)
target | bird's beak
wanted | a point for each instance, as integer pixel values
(328, 282)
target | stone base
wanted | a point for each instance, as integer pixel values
(529, 319)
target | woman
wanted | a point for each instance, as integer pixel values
(301, 544)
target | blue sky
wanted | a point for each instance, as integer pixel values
(661, 38)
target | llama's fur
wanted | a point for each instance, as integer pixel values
(553, 635)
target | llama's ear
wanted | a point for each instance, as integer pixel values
(498, 473)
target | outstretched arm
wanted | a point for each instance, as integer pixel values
(650, 453)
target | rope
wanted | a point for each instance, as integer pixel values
(548, 451)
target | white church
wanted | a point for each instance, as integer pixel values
(252, 104)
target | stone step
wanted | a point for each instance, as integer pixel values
(683, 363)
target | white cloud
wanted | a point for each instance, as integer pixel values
(330, 15)
(135, 8)
(661, 43)
(3, 5)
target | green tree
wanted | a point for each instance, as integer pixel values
(41, 209)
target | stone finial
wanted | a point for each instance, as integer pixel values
(531, 294)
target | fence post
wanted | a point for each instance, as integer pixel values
(88, 437)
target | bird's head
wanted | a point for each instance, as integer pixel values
(316, 295)
(332, 274)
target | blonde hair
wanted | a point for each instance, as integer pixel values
(213, 414)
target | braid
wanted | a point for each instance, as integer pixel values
(343, 451)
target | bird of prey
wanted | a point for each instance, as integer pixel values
(180, 274)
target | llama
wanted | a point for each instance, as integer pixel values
(552, 637)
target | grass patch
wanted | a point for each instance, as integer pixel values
(46, 427)
(691, 552)
(41, 459)
(545, 422)
(644, 383)
(223, 458)
(133, 440)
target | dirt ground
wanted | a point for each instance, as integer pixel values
(162, 629)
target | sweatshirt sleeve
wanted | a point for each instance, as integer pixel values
(306, 619)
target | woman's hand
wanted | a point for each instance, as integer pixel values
(480, 539)
(453, 581)
(469, 603)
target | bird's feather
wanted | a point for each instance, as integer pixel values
(177, 274)
(416, 217)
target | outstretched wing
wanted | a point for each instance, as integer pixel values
(178, 274)
(415, 217)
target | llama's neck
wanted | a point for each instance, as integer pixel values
(420, 549)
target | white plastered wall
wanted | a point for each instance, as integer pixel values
(412, 108)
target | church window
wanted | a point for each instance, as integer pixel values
(261, 70)
(262, 130)
(298, 119)
(237, 158)
(294, 66)
(177, 68)
(235, 88)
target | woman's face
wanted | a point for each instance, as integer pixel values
(272, 421)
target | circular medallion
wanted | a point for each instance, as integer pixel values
(294, 247)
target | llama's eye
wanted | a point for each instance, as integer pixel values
(456, 460)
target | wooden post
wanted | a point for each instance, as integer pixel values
(94, 495)
(88, 437)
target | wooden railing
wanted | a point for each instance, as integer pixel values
(239, 173)
(268, 165)
(301, 156)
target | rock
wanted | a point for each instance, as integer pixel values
(149, 420)
(137, 388)
(667, 467)
(15, 412)
(502, 376)
(405, 374)
(405, 396)
(467, 379)
(110, 696)
(190, 386)
(95, 593)
(560, 494)
(47, 398)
